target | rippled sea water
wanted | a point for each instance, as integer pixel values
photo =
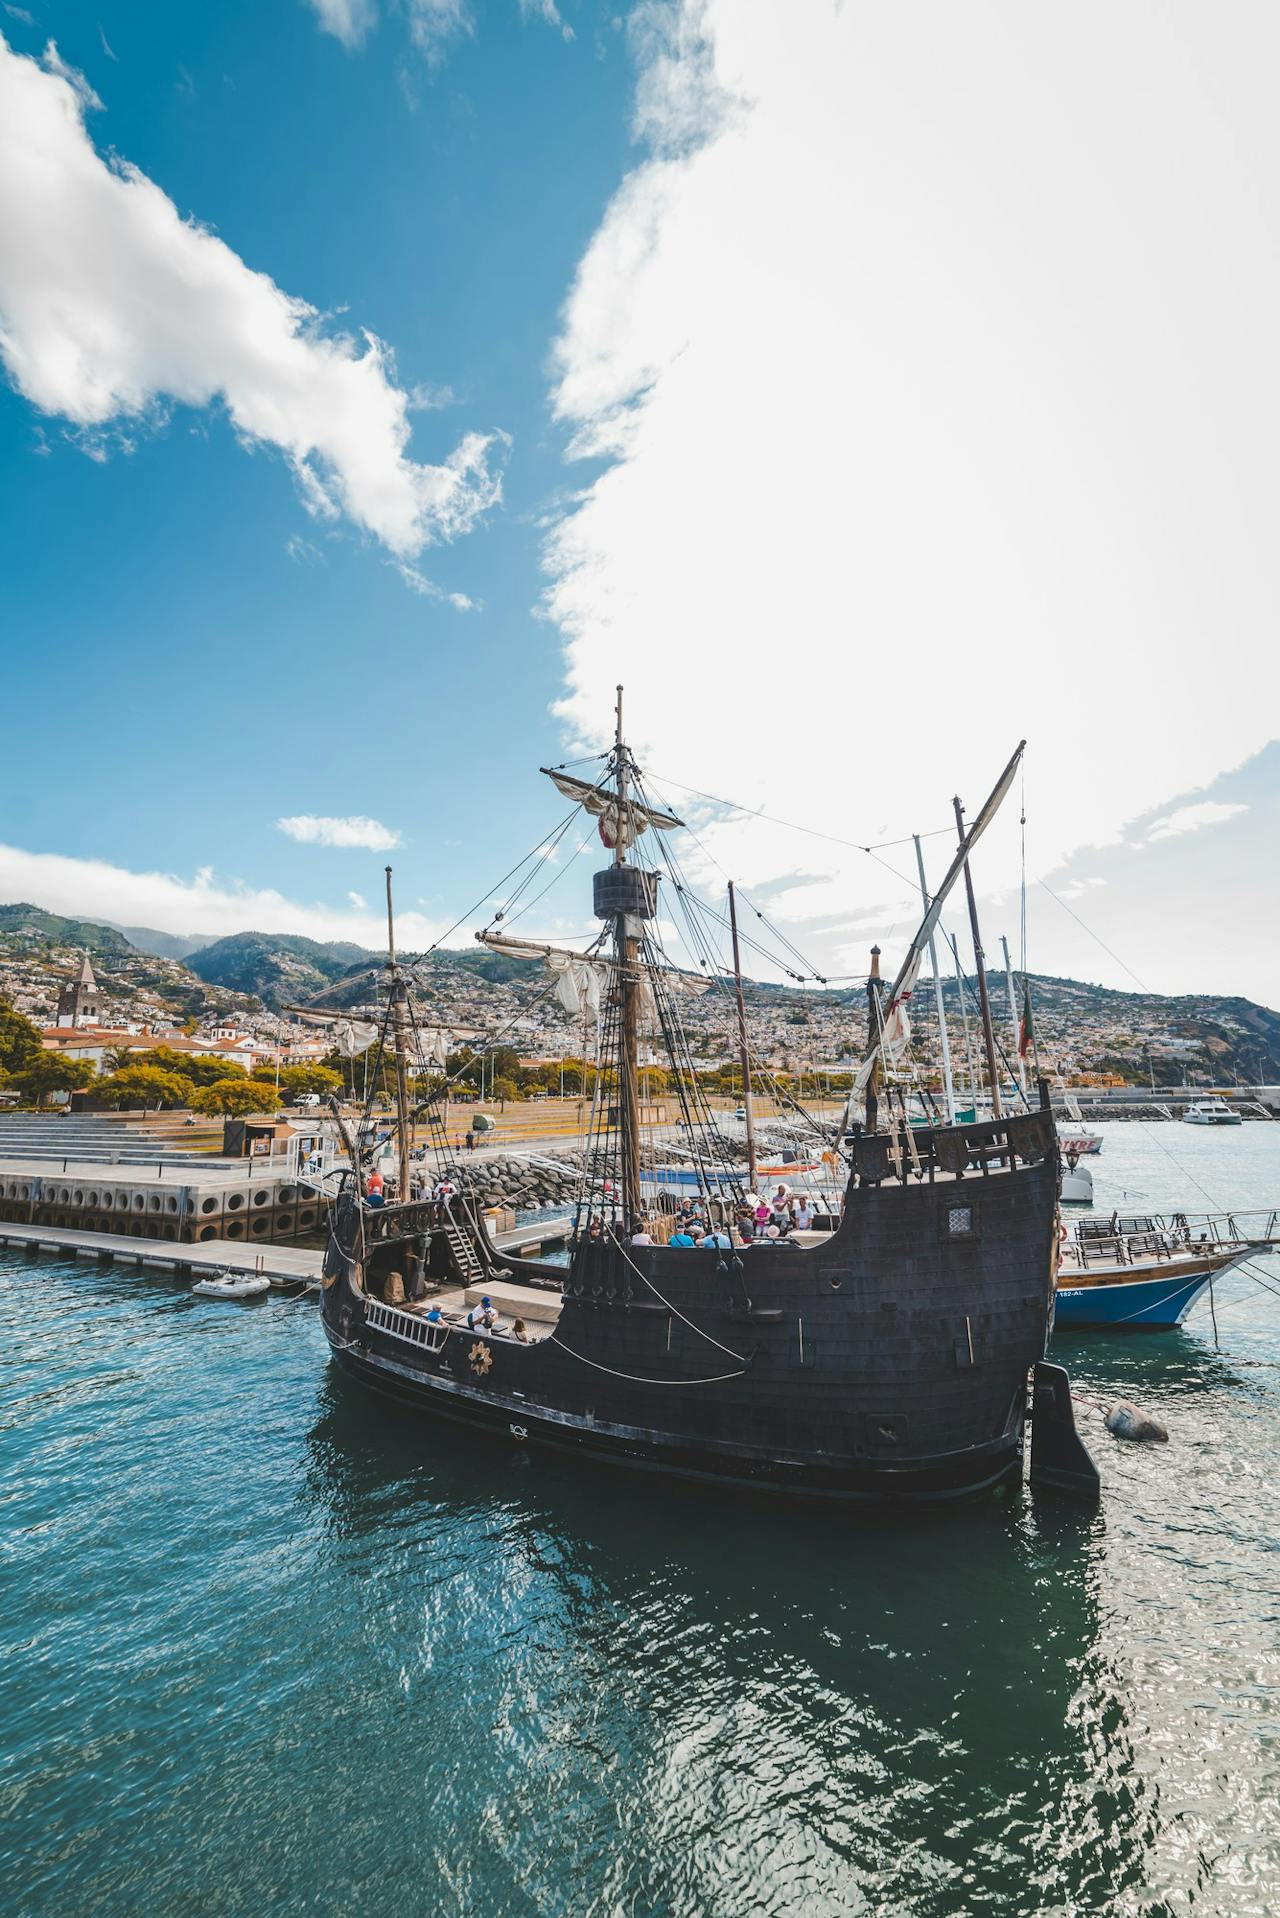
(272, 1647)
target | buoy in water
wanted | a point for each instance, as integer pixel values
(1127, 1422)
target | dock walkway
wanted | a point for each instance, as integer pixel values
(282, 1264)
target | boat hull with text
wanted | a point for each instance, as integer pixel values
(1155, 1303)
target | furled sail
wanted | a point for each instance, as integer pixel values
(896, 1031)
(582, 980)
(616, 826)
(354, 1036)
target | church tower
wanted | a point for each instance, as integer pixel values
(79, 1003)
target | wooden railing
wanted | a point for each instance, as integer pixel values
(1025, 1138)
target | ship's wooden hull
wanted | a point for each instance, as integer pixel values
(889, 1361)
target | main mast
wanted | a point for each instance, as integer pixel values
(628, 896)
(743, 1048)
(399, 1001)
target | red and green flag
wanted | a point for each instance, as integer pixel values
(1026, 1030)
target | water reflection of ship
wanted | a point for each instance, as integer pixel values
(760, 1715)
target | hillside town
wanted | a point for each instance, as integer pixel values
(111, 1006)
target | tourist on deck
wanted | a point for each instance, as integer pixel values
(518, 1332)
(680, 1237)
(482, 1317)
(717, 1241)
(762, 1216)
(641, 1237)
(435, 1316)
(802, 1215)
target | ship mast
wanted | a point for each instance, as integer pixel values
(948, 1084)
(627, 953)
(875, 1027)
(399, 1001)
(742, 1041)
(984, 998)
(1013, 1015)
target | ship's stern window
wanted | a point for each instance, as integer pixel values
(960, 1221)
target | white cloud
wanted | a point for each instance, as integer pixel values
(1209, 812)
(112, 305)
(350, 21)
(359, 901)
(913, 451)
(313, 829)
(93, 889)
(546, 10)
(52, 62)
(419, 583)
(435, 24)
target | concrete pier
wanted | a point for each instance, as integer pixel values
(260, 1202)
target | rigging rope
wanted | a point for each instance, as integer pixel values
(634, 1378)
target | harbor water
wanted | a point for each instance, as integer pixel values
(271, 1647)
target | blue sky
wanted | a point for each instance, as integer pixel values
(724, 349)
(199, 680)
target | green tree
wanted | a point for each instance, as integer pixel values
(504, 1089)
(296, 1079)
(147, 1087)
(19, 1040)
(503, 1063)
(234, 1097)
(202, 1069)
(51, 1072)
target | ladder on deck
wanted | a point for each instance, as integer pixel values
(460, 1245)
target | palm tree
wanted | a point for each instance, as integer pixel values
(116, 1058)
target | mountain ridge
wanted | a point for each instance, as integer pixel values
(1099, 1028)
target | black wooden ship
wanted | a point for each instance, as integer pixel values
(896, 1355)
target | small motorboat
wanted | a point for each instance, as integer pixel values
(232, 1285)
(1077, 1183)
(1211, 1112)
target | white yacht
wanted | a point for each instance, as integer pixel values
(1211, 1112)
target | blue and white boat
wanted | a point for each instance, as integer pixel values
(1156, 1303)
(1145, 1274)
